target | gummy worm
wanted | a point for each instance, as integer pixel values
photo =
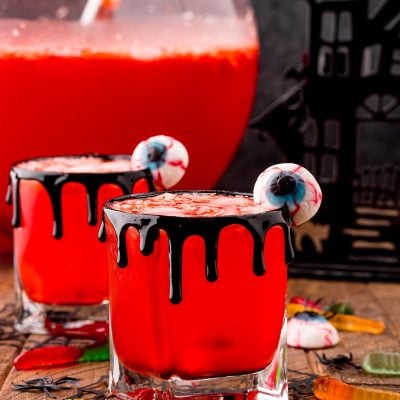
(382, 363)
(352, 323)
(327, 388)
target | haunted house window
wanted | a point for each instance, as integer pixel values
(310, 135)
(382, 137)
(395, 68)
(371, 59)
(328, 64)
(325, 61)
(379, 107)
(329, 160)
(342, 61)
(328, 26)
(335, 29)
(396, 55)
(310, 162)
(311, 141)
(345, 29)
(331, 134)
(329, 168)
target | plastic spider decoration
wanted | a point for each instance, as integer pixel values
(339, 362)
(48, 386)
(301, 388)
(93, 391)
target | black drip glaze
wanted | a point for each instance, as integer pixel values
(179, 229)
(53, 182)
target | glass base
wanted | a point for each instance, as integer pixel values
(35, 317)
(268, 384)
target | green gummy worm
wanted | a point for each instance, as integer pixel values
(100, 353)
(382, 363)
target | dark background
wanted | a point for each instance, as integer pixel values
(282, 26)
(284, 29)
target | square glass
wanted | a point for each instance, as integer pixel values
(197, 295)
(60, 268)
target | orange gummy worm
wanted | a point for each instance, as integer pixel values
(352, 323)
(327, 388)
(292, 309)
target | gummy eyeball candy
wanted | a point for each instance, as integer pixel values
(289, 185)
(166, 157)
(309, 330)
(298, 304)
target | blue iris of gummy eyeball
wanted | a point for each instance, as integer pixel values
(289, 185)
(154, 155)
(310, 316)
(286, 188)
(166, 158)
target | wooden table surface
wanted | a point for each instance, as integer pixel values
(373, 300)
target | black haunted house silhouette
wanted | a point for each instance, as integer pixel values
(341, 120)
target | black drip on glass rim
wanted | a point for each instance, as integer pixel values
(180, 228)
(53, 183)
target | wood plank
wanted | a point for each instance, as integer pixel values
(298, 363)
(373, 300)
(364, 299)
(88, 373)
(6, 284)
(91, 372)
(10, 342)
(387, 295)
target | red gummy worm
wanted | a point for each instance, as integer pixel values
(49, 356)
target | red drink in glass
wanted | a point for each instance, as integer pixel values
(58, 258)
(68, 88)
(197, 292)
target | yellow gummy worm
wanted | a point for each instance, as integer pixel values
(293, 308)
(352, 323)
(327, 388)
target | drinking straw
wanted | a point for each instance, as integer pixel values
(90, 11)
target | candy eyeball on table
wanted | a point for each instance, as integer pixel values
(289, 185)
(165, 157)
(309, 330)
